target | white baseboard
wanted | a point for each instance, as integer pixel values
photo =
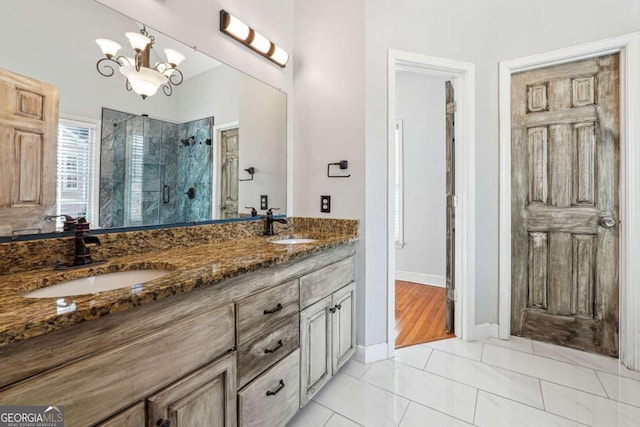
(484, 331)
(372, 353)
(423, 279)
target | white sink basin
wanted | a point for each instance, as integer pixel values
(95, 284)
(292, 241)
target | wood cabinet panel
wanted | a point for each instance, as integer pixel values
(315, 348)
(325, 281)
(207, 397)
(260, 312)
(263, 351)
(272, 399)
(343, 326)
(130, 417)
(91, 388)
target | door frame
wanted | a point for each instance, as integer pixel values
(216, 155)
(628, 46)
(462, 76)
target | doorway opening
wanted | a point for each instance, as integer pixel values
(461, 76)
(423, 227)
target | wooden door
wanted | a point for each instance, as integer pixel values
(450, 189)
(343, 326)
(564, 204)
(230, 150)
(315, 348)
(206, 397)
(28, 140)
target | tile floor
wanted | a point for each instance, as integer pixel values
(450, 383)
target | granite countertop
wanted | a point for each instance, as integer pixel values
(191, 268)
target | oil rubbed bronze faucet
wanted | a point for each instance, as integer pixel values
(269, 220)
(83, 242)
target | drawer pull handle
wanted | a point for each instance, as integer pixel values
(273, 350)
(277, 390)
(274, 310)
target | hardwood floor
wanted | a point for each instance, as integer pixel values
(420, 313)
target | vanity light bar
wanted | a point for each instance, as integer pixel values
(236, 29)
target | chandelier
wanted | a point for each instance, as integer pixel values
(141, 77)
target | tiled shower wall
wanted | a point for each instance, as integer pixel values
(148, 165)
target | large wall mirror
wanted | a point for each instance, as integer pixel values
(211, 150)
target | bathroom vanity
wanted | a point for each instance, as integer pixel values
(242, 335)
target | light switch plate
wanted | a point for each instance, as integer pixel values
(325, 204)
(263, 202)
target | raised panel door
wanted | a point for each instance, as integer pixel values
(343, 326)
(28, 146)
(565, 167)
(315, 348)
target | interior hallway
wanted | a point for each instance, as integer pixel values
(420, 313)
(493, 383)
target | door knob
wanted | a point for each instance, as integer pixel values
(607, 222)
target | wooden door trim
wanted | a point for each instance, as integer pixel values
(628, 46)
(462, 75)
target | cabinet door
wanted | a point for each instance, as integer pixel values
(343, 326)
(131, 417)
(206, 397)
(315, 348)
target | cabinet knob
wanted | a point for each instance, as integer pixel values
(332, 309)
(338, 306)
(274, 310)
(163, 423)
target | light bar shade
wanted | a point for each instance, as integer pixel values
(238, 30)
(235, 27)
(279, 56)
(260, 43)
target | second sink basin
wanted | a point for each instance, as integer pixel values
(292, 241)
(99, 283)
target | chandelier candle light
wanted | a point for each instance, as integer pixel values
(141, 77)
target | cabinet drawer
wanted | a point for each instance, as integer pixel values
(273, 398)
(258, 354)
(262, 311)
(323, 282)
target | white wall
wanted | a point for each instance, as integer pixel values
(340, 61)
(263, 135)
(212, 93)
(83, 92)
(482, 32)
(197, 23)
(329, 123)
(420, 104)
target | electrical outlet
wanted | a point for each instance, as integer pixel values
(263, 202)
(325, 204)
